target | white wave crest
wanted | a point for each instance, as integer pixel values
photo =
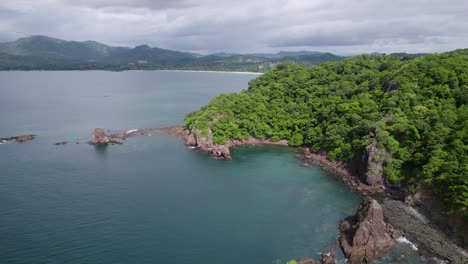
(131, 131)
(404, 240)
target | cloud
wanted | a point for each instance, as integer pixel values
(246, 25)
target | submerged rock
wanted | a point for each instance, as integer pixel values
(365, 236)
(60, 143)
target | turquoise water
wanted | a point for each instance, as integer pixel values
(150, 200)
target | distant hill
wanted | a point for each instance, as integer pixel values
(42, 52)
(283, 54)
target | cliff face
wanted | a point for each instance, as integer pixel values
(373, 162)
(365, 236)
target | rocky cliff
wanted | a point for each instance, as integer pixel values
(418, 229)
(365, 236)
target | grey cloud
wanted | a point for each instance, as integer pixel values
(151, 4)
(341, 26)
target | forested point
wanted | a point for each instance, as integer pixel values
(415, 109)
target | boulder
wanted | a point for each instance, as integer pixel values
(365, 236)
(100, 137)
(327, 259)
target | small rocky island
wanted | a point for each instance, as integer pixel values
(100, 138)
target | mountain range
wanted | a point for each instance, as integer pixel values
(42, 52)
(46, 53)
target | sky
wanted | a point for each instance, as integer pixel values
(246, 26)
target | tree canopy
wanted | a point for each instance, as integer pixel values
(414, 108)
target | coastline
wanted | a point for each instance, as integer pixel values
(110, 70)
(403, 221)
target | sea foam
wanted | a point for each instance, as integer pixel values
(404, 240)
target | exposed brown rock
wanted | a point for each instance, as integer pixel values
(100, 137)
(324, 259)
(24, 138)
(327, 259)
(190, 140)
(365, 236)
(20, 139)
(308, 261)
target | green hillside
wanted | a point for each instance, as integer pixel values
(411, 113)
(41, 52)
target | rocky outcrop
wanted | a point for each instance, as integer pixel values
(324, 259)
(419, 230)
(365, 236)
(20, 139)
(373, 160)
(60, 143)
(203, 140)
(454, 225)
(100, 138)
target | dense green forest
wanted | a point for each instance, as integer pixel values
(413, 108)
(45, 53)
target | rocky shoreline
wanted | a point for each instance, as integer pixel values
(419, 230)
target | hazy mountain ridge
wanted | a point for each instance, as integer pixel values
(42, 52)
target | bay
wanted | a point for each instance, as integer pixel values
(150, 200)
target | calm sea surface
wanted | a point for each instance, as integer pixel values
(150, 200)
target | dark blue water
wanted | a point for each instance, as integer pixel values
(150, 200)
